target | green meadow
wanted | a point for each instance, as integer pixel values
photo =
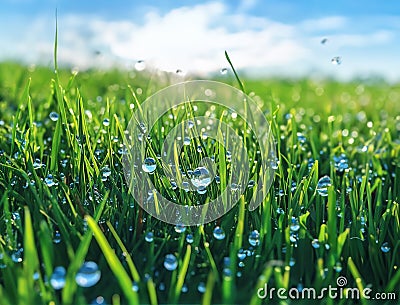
(71, 233)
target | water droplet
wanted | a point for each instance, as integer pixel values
(218, 233)
(201, 177)
(57, 237)
(315, 244)
(338, 267)
(241, 264)
(223, 71)
(190, 124)
(189, 238)
(294, 226)
(105, 172)
(323, 184)
(135, 286)
(199, 149)
(251, 184)
(57, 279)
(149, 237)
(201, 190)
(228, 156)
(337, 60)
(227, 272)
(241, 254)
(186, 141)
(280, 211)
(185, 288)
(301, 138)
(49, 180)
(385, 247)
(204, 135)
(106, 122)
(140, 65)
(234, 187)
(88, 275)
(341, 163)
(180, 228)
(201, 287)
(170, 262)
(292, 262)
(16, 255)
(99, 301)
(186, 186)
(217, 179)
(254, 238)
(53, 116)
(149, 165)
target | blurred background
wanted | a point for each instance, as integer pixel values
(343, 39)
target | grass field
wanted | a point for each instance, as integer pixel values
(333, 210)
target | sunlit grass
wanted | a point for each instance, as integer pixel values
(305, 239)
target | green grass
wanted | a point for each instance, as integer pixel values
(97, 219)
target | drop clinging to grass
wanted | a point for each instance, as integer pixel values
(149, 165)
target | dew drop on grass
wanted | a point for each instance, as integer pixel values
(251, 184)
(323, 184)
(16, 255)
(301, 138)
(186, 141)
(184, 288)
(88, 275)
(241, 254)
(217, 179)
(201, 190)
(294, 226)
(53, 116)
(228, 156)
(315, 244)
(385, 247)
(149, 237)
(170, 262)
(254, 238)
(180, 228)
(292, 262)
(106, 122)
(57, 279)
(341, 163)
(241, 264)
(57, 237)
(49, 180)
(201, 287)
(190, 124)
(218, 233)
(99, 301)
(105, 172)
(189, 238)
(149, 165)
(338, 267)
(234, 187)
(201, 177)
(337, 60)
(161, 286)
(135, 286)
(186, 186)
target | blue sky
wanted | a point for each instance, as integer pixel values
(263, 37)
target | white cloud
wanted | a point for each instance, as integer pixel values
(193, 39)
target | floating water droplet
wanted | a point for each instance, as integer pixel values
(140, 65)
(385, 247)
(53, 116)
(189, 238)
(337, 60)
(201, 177)
(180, 228)
(315, 244)
(106, 122)
(149, 165)
(201, 287)
(185, 288)
(223, 71)
(186, 141)
(57, 279)
(323, 184)
(218, 233)
(135, 286)
(170, 262)
(88, 275)
(149, 237)
(254, 238)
